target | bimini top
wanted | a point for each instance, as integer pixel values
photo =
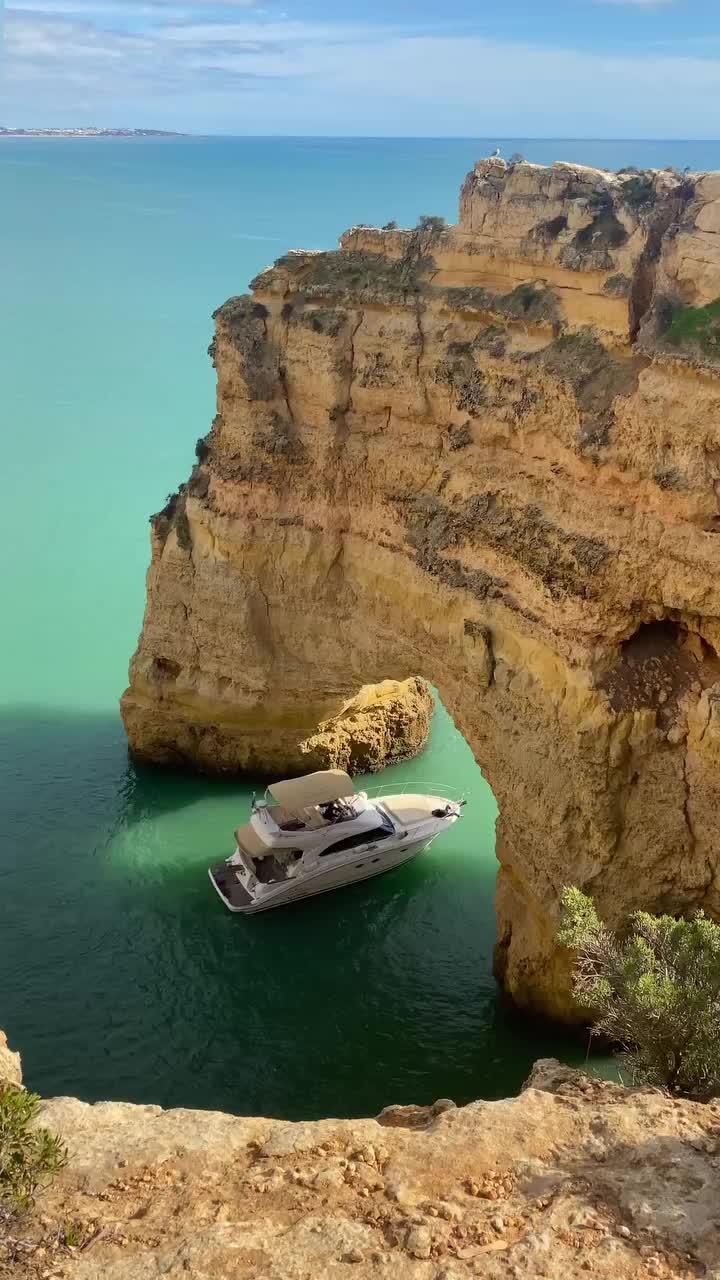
(248, 840)
(314, 788)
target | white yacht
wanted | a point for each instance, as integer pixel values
(316, 833)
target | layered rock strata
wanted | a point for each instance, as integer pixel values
(489, 454)
(380, 725)
(575, 1177)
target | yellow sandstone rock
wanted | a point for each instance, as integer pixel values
(383, 723)
(575, 1177)
(10, 1070)
(488, 455)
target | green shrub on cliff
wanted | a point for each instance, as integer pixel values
(432, 223)
(697, 327)
(654, 990)
(29, 1157)
(352, 274)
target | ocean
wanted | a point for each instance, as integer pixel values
(121, 975)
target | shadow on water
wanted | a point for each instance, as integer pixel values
(124, 977)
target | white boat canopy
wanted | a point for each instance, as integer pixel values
(315, 788)
(249, 842)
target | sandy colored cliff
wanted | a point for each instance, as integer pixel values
(10, 1069)
(575, 1176)
(488, 454)
(379, 725)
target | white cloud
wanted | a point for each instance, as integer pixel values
(271, 33)
(251, 76)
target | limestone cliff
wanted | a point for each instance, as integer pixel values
(489, 454)
(379, 725)
(575, 1177)
(10, 1070)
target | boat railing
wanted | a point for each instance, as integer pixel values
(415, 788)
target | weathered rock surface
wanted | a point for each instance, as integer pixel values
(575, 1177)
(10, 1070)
(489, 455)
(381, 725)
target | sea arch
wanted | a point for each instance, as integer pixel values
(459, 466)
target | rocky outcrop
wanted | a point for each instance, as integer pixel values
(380, 725)
(489, 454)
(575, 1177)
(384, 723)
(10, 1070)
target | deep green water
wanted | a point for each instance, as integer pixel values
(121, 975)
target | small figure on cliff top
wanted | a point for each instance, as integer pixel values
(496, 154)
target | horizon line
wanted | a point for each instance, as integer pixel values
(175, 134)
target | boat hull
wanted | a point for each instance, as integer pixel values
(324, 880)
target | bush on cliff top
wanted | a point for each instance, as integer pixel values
(654, 990)
(356, 274)
(29, 1157)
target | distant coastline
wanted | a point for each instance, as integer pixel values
(89, 133)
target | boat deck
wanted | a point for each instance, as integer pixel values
(227, 882)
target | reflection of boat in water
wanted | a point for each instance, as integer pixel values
(312, 834)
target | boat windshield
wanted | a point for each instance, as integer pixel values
(387, 824)
(338, 810)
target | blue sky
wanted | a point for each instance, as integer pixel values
(478, 68)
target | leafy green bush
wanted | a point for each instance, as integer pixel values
(29, 1157)
(431, 222)
(654, 990)
(697, 327)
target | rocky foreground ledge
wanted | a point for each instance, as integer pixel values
(575, 1177)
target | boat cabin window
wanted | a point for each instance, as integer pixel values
(362, 837)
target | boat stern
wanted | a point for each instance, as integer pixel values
(226, 879)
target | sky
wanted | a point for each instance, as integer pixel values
(463, 68)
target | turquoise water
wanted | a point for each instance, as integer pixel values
(121, 975)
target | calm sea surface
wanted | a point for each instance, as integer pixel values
(121, 975)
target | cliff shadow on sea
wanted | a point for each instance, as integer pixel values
(125, 978)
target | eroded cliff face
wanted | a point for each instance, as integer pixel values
(488, 454)
(379, 725)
